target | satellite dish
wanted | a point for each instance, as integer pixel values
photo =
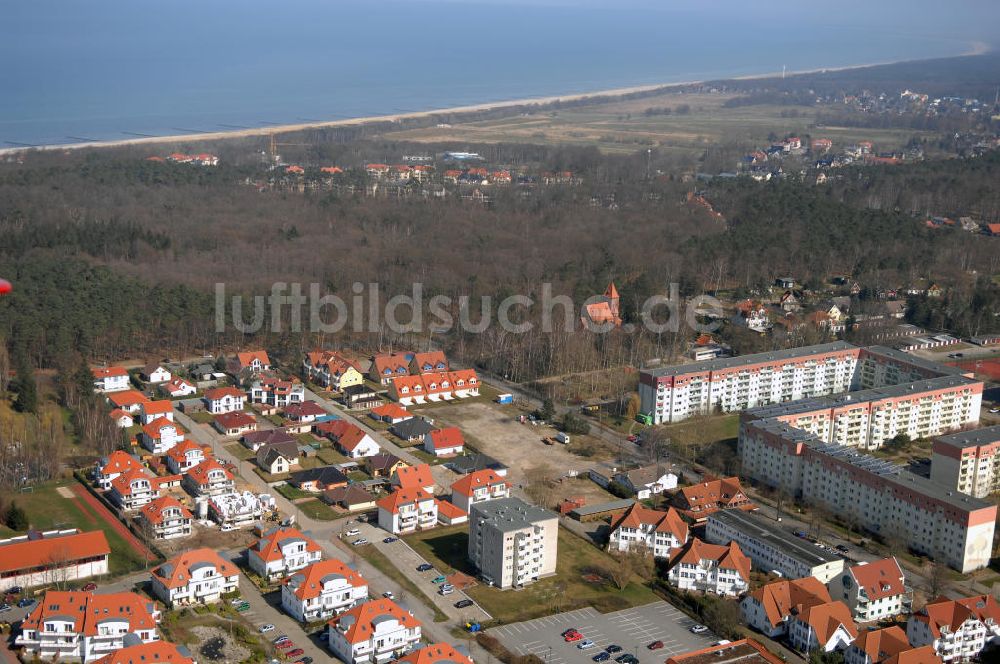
(5, 287)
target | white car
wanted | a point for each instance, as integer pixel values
(227, 528)
(388, 594)
(446, 590)
(698, 629)
(995, 410)
(359, 542)
(352, 532)
(236, 602)
(263, 629)
(585, 644)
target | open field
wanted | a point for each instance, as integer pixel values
(623, 127)
(48, 507)
(446, 548)
(704, 430)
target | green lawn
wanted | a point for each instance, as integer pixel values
(446, 548)
(382, 563)
(239, 451)
(202, 417)
(317, 509)
(703, 430)
(292, 493)
(47, 509)
(330, 456)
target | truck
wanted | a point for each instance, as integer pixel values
(562, 438)
(505, 398)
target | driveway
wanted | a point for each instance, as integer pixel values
(631, 629)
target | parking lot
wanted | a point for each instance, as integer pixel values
(632, 629)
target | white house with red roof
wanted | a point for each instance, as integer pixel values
(322, 590)
(153, 410)
(387, 366)
(235, 423)
(478, 486)
(710, 568)
(872, 591)
(435, 653)
(133, 489)
(157, 652)
(221, 400)
(209, 478)
(656, 531)
(825, 627)
(113, 465)
(413, 477)
(165, 518)
(121, 419)
(349, 438)
(276, 392)
(407, 510)
(184, 456)
(128, 400)
(85, 626)
(888, 646)
(430, 362)
(161, 435)
(305, 412)
(450, 514)
(71, 555)
(769, 608)
(390, 413)
(375, 631)
(177, 388)
(282, 551)
(110, 379)
(199, 576)
(434, 387)
(958, 630)
(255, 361)
(448, 441)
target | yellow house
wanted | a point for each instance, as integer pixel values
(332, 370)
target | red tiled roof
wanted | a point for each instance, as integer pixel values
(449, 510)
(362, 619)
(394, 362)
(176, 572)
(268, 548)
(727, 557)
(446, 438)
(391, 410)
(108, 372)
(246, 359)
(123, 483)
(469, 483)
(26, 555)
(943, 612)
(153, 511)
(826, 618)
(153, 428)
(881, 644)
(436, 653)
(127, 398)
(158, 652)
(235, 420)
(879, 579)
(754, 651)
(119, 462)
(663, 522)
(307, 583)
(157, 407)
(304, 409)
(199, 474)
(220, 392)
(178, 451)
(392, 502)
(418, 476)
(89, 610)
(783, 598)
(351, 438)
(712, 495)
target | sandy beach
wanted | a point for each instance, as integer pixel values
(977, 48)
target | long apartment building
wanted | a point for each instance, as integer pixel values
(968, 461)
(671, 394)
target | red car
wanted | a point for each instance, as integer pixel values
(655, 645)
(294, 653)
(285, 645)
(632, 438)
(572, 636)
(90, 587)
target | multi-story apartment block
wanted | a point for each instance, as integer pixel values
(322, 590)
(376, 631)
(656, 531)
(282, 551)
(198, 576)
(331, 370)
(133, 489)
(769, 608)
(84, 626)
(511, 542)
(165, 518)
(958, 630)
(771, 547)
(209, 478)
(161, 435)
(873, 591)
(407, 510)
(825, 627)
(278, 393)
(478, 486)
(113, 465)
(968, 461)
(710, 568)
(184, 456)
(224, 400)
(888, 646)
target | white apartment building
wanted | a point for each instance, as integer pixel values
(478, 486)
(160, 435)
(958, 630)
(729, 384)
(710, 568)
(771, 547)
(165, 518)
(825, 627)
(881, 497)
(873, 591)
(113, 465)
(209, 478)
(277, 393)
(110, 379)
(658, 532)
(887, 646)
(407, 510)
(238, 509)
(199, 576)
(511, 542)
(184, 456)
(968, 461)
(770, 608)
(133, 489)
(71, 555)
(373, 633)
(282, 551)
(224, 400)
(84, 626)
(322, 590)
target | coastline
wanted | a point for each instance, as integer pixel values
(976, 48)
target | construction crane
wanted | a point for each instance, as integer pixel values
(273, 148)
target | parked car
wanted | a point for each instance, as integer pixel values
(568, 631)
(4, 608)
(572, 636)
(263, 629)
(14, 590)
(995, 410)
(800, 533)
(446, 591)
(390, 540)
(439, 579)
(25, 602)
(279, 639)
(286, 644)
(463, 603)
(359, 542)
(295, 653)
(227, 528)
(424, 567)
(243, 606)
(842, 548)
(627, 658)
(602, 656)
(586, 644)
(388, 594)
(305, 660)
(613, 648)
(655, 645)
(236, 602)
(89, 588)
(698, 629)
(353, 532)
